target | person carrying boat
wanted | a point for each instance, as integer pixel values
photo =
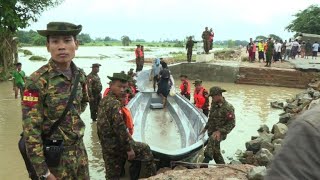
(94, 90)
(155, 72)
(201, 97)
(116, 142)
(164, 84)
(220, 123)
(185, 86)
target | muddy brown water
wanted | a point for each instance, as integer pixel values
(252, 108)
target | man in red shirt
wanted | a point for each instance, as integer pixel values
(185, 86)
(138, 53)
(211, 38)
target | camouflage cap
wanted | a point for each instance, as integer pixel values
(216, 90)
(95, 65)
(61, 28)
(119, 76)
(197, 81)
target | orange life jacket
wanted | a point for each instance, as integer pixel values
(126, 113)
(128, 119)
(133, 89)
(106, 92)
(199, 99)
(182, 87)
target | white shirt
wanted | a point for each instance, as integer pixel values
(295, 43)
(277, 47)
(315, 47)
(289, 45)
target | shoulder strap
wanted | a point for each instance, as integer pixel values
(71, 98)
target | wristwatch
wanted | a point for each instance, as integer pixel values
(44, 177)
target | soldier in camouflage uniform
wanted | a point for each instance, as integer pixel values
(94, 90)
(220, 123)
(45, 98)
(189, 46)
(117, 144)
(206, 40)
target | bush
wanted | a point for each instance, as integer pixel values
(37, 58)
(27, 52)
(245, 59)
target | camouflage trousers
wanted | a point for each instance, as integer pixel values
(94, 104)
(206, 46)
(189, 55)
(139, 64)
(114, 162)
(212, 151)
(73, 164)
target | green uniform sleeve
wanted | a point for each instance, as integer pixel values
(89, 85)
(85, 93)
(32, 119)
(119, 126)
(230, 122)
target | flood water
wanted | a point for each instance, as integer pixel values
(252, 108)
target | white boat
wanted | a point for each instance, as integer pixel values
(173, 132)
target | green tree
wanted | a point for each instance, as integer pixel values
(261, 37)
(107, 38)
(39, 40)
(84, 38)
(275, 37)
(125, 40)
(231, 43)
(306, 21)
(15, 14)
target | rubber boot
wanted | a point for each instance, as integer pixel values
(134, 169)
(205, 160)
(123, 171)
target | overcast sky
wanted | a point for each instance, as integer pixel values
(176, 19)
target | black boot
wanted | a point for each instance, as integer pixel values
(205, 160)
(134, 169)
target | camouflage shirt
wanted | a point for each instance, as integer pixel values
(221, 118)
(94, 84)
(45, 98)
(206, 35)
(112, 130)
(190, 44)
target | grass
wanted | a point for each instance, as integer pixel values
(182, 57)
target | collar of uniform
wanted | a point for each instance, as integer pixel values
(220, 104)
(55, 72)
(113, 95)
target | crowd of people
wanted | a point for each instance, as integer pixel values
(56, 95)
(278, 50)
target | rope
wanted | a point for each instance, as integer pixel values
(205, 164)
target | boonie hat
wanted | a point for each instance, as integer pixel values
(197, 81)
(61, 28)
(216, 90)
(119, 76)
(95, 65)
